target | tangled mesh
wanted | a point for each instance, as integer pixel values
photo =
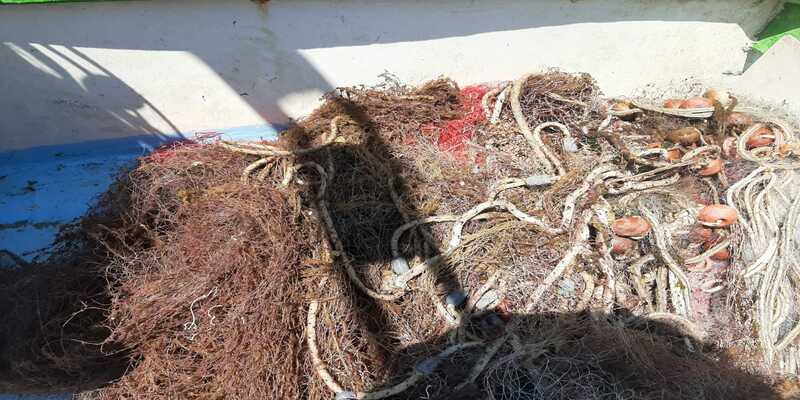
(454, 135)
(271, 269)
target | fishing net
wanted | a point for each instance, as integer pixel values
(529, 239)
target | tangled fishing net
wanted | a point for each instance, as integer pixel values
(523, 240)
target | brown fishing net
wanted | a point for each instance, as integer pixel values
(525, 240)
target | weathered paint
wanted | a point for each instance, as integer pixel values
(42, 188)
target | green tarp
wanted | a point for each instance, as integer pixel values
(785, 23)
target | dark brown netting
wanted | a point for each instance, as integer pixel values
(401, 243)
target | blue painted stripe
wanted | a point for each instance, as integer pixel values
(140, 145)
(252, 132)
(43, 188)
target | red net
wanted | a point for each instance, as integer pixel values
(455, 133)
